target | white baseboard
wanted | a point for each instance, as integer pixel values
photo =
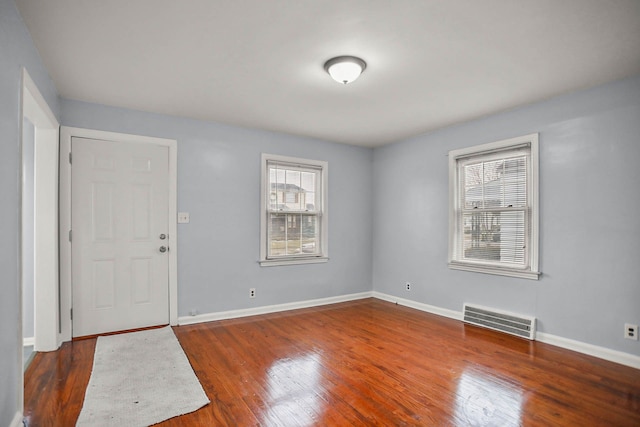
(566, 343)
(590, 349)
(233, 314)
(28, 341)
(581, 347)
(452, 314)
(17, 420)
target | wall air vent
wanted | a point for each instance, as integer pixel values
(514, 324)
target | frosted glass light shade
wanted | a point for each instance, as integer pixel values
(345, 69)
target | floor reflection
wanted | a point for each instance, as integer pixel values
(293, 389)
(484, 400)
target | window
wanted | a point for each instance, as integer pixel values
(294, 211)
(493, 208)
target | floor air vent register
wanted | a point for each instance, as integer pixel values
(514, 324)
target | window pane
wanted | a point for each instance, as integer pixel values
(308, 184)
(277, 234)
(293, 234)
(291, 189)
(494, 236)
(308, 181)
(310, 235)
(493, 189)
(276, 188)
(473, 194)
(310, 201)
(515, 182)
(495, 184)
(293, 244)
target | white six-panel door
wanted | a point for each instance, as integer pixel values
(120, 241)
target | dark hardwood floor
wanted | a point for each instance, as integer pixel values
(363, 363)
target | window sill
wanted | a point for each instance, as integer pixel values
(522, 274)
(292, 261)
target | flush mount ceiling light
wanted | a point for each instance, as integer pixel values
(345, 69)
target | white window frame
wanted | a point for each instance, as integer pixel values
(323, 256)
(531, 268)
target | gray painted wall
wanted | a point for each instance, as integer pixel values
(17, 50)
(589, 204)
(219, 185)
(28, 225)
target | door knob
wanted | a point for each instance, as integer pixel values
(163, 236)
(163, 249)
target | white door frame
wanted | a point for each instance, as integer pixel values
(66, 133)
(35, 108)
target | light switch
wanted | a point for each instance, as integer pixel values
(183, 217)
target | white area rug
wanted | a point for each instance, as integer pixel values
(140, 379)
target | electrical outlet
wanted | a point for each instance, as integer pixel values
(193, 312)
(252, 292)
(408, 286)
(631, 331)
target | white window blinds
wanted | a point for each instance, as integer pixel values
(492, 208)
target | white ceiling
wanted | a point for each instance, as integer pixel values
(259, 63)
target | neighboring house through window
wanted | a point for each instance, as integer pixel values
(493, 208)
(293, 211)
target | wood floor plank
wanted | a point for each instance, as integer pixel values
(363, 363)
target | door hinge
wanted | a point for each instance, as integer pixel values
(71, 313)
(69, 235)
(70, 157)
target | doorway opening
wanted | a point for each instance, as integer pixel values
(39, 262)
